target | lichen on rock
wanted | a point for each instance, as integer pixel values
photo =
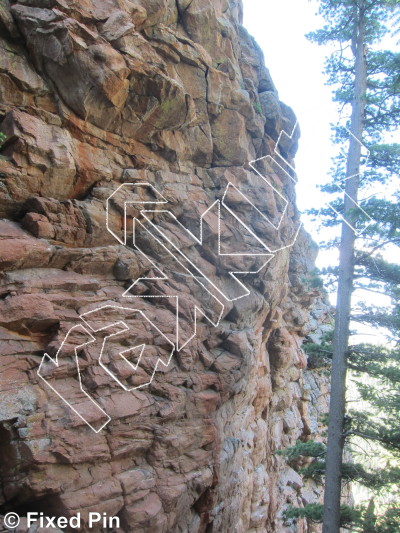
(95, 95)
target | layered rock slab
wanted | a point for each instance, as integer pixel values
(94, 95)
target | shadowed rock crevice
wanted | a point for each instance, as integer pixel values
(175, 94)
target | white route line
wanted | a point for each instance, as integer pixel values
(200, 241)
(179, 346)
(356, 204)
(56, 362)
(129, 202)
(276, 150)
(126, 328)
(160, 199)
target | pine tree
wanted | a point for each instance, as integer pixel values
(3, 139)
(376, 370)
(367, 81)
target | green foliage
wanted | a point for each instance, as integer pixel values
(319, 355)
(3, 139)
(382, 392)
(342, 15)
(314, 471)
(258, 108)
(388, 522)
(349, 516)
(375, 369)
(363, 519)
(314, 512)
(313, 280)
(309, 448)
(382, 97)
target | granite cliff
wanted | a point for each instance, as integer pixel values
(108, 106)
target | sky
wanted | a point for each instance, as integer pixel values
(296, 66)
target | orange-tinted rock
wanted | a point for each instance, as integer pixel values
(95, 94)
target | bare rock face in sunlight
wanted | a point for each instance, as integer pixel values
(95, 95)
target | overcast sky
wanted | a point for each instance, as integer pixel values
(296, 66)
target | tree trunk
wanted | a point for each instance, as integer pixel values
(333, 476)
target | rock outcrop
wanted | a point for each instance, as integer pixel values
(172, 97)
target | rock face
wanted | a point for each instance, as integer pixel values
(110, 106)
